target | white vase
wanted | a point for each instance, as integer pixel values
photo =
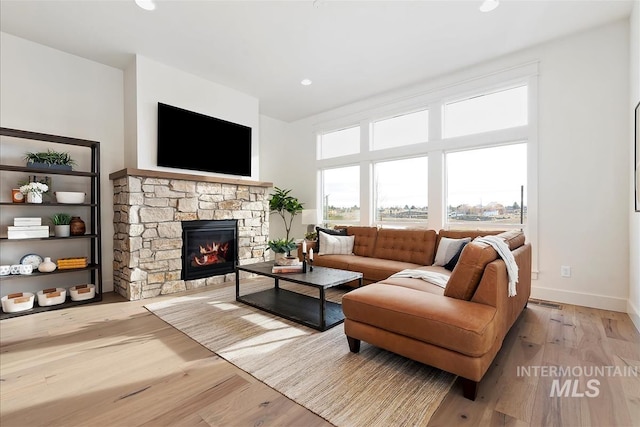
(33, 197)
(62, 230)
(47, 266)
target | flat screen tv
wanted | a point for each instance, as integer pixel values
(194, 141)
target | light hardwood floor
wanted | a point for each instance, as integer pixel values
(116, 364)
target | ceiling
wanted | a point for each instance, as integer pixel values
(351, 50)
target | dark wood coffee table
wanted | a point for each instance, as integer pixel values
(317, 313)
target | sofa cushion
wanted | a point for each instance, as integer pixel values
(376, 269)
(459, 234)
(454, 260)
(467, 273)
(447, 248)
(365, 239)
(417, 283)
(462, 326)
(341, 262)
(415, 246)
(335, 245)
(331, 231)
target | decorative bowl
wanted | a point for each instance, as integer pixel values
(52, 296)
(70, 196)
(82, 292)
(21, 301)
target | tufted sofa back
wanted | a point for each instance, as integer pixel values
(408, 245)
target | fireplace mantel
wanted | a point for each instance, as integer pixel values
(145, 173)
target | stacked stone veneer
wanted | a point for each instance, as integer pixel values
(148, 232)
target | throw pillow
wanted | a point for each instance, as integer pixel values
(331, 231)
(447, 248)
(335, 245)
(453, 261)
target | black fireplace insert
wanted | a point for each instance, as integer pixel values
(209, 248)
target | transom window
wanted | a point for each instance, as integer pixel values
(493, 111)
(405, 129)
(339, 143)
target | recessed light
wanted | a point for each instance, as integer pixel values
(146, 4)
(489, 5)
(306, 82)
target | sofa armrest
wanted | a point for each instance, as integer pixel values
(493, 288)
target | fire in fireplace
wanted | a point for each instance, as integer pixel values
(209, 248)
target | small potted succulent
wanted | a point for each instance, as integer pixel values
(49, 160)
(61, 224)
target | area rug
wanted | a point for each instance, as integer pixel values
(315, 369)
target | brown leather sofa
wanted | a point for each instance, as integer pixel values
(460, 328)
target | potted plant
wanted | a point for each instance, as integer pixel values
(34, 191)
(61, 224)
(49, 160)
(287, 206)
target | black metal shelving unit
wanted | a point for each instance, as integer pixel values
(93, 236)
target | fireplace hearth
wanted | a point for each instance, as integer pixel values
(210, 248)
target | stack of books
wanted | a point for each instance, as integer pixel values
(27, 228)
(68, 263)
(296, 268)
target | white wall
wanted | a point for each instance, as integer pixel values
(49, 91)
(275, 165)
(583, 134)
(156, 82)
(633, 307)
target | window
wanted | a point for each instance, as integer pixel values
(401, 130)
(444, 159)
(341, 195)
(339, 143)
(400, 190)
(484, 186)
(494, 111)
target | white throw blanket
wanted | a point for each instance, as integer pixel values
(437, 279)
(505, 253)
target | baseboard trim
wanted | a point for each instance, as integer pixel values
(634, 314)
(602, 302)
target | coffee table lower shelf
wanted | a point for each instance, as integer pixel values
(296, 307)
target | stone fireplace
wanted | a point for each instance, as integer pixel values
(152, 207)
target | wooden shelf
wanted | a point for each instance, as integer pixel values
(93, 271)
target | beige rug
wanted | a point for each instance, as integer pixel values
(315, 369)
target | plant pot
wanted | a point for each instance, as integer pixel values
(62, 230)
(283, 259)
(34, 197)
(48, 166)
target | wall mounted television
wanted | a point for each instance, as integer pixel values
(194, 141)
